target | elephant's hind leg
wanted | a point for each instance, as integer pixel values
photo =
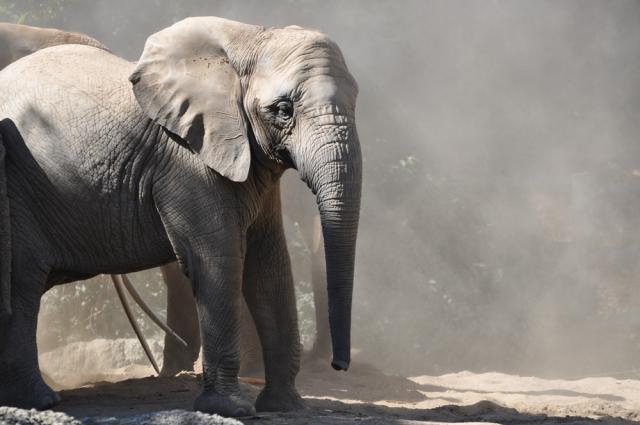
(21, 384)
(182, 317)
(322, 344)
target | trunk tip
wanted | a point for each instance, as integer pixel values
(340, 365)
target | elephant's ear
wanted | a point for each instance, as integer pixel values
(185, 83)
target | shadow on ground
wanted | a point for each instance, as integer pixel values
(332, 399)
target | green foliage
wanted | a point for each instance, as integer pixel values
(33, 12)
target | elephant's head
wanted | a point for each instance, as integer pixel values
(240, 94)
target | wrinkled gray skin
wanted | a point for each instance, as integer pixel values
(182, 316)
(17, 41)
(111, 169)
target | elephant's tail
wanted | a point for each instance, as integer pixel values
(5, 240)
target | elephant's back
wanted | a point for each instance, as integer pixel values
(73, 91)
(69, 58)
(72, 109)
(68, 71)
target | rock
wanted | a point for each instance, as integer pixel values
(167, 417)
(88, 358)
(14, 416)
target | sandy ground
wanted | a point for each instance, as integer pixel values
(365, 395)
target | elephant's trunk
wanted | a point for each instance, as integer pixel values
(334, 172)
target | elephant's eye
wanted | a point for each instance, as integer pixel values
(284, 110)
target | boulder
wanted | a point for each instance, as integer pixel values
(96, 357)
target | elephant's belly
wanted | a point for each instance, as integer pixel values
(109, 259)
(119, 239)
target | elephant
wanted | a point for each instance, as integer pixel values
(182, 348)
(113, 167)
(18, 40)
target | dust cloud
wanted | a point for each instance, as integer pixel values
(502, 173)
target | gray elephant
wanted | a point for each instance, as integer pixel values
(17, 41)
(111, 168)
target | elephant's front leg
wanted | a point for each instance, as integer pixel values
(208, 235)
(218, 278)
(269, 292)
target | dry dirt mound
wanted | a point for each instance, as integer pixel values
(601, 397)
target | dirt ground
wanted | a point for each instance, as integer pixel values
(365, 395)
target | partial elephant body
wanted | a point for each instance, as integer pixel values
(17, 41)
(67, 206)
(113, 169)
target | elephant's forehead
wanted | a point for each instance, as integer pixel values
(313, 87)
(310, 65)
(297, 52)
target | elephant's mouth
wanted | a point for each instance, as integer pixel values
(282, 153)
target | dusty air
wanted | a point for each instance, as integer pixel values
(319, 212)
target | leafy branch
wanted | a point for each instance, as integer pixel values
(33, 11)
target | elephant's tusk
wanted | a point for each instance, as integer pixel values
(138, 299)
(118, 284)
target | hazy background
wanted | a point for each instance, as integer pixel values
(502, 176)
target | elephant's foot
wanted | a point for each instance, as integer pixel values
(169, 370)
(278, 400)
(223, 405)
(176, 362)
(35, 396)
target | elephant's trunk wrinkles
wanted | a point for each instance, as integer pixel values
(334, 173)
